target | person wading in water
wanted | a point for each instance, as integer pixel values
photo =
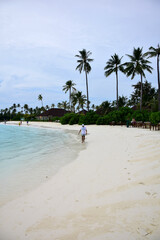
(83, 131)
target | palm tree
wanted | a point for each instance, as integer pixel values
(155, 52)
(81, 100)
(14, 108)
(65, 105)
(83, 64)
(22, 110)
(93, 107)
(47, 107)
(59, 105)
(113, 65)
(137, 65)
(53, 105)
(40, 98)
(74, 99)
(26, 108)
(30, 110)
(18, 106)
(69, 87)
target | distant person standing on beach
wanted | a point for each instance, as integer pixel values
(83, 131)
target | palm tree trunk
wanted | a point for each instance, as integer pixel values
(87, 91)
(158, 83)
(141, 93)
(117, 88)
(70, 99)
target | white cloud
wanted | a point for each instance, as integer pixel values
(40, 39)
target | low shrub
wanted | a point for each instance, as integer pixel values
(100, 121)
(55, 119)
(66, 118)
(141, 115)
(74, 119)
(155, 118)
(90, 118)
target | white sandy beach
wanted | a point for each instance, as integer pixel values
(111, 191)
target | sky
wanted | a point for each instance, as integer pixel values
(40, 38)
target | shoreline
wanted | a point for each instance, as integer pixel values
(30, 174)
(110, 191)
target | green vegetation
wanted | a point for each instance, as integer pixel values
(143, 104)
(154, 117)
(40, 98)
(69, 87)
(155, 52)
(116, 117)
(137, 65)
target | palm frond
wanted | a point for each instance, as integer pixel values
(80, 67)
(108, 73)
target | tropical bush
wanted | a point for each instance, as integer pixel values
(141, 115)
(66, 118)
(116, 116)
(105, 120)
(74, 119)
(155, 118)
(55, 119)
(90, 118)
(100, 121)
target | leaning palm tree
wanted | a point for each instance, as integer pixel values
(137, 65)
(155, 52)
(40, 98)
(69, 86)
(83, 64)
(113, 65)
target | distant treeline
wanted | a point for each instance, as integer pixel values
(101, 114)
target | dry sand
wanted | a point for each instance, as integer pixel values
(110, 192)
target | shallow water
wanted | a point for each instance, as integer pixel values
(30, 156)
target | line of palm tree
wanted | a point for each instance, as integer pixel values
(113, 65)
(40, 98)
(137, 65)
(83, 64)
(69, 86)
(155, 52)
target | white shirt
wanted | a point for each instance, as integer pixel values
(83, 130)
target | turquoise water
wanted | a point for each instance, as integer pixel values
(30, 156)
